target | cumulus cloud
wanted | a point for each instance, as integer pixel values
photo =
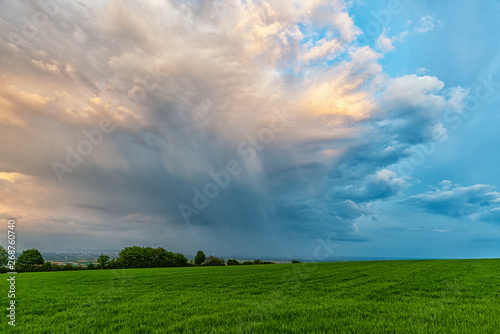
(282, 89)
(456, 201)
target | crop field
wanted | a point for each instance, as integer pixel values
(431, 296)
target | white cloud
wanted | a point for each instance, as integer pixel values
(322, 49)
(456, 98)
(422, 70)
(422, 91)
(384, 43)
(439, 231)
(427, 23)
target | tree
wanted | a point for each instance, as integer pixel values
(90, 266)
(132, 257)
(199, 258)
(47, 266)
(68, 266)
(114, 264)
(29, 259)
(103, 261)
(56, 267)
(148, 257)
(232, 262)
(3, 256)
(180, 260)
(214, 261)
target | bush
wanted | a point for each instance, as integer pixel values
(296, 261)
(68, 266)
(91, 266)
(47, 266)
(232, 262)
(56, 267)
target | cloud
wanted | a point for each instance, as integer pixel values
(422, 70)
(381, 185)
(439, 231)
(455, 201)
(321, 49)
(384, 43)
(427, 23)
(416, 105)
(490, 216)
(189, 87)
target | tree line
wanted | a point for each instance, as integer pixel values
(128, 257)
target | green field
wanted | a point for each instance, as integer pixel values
(433, 296)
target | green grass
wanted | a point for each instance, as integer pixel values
(440, 296)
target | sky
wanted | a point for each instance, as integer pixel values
(275, 129)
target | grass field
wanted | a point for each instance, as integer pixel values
(438, 296)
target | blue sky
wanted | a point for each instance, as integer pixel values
(306, 129)
(461, 50)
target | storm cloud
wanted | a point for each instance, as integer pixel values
(222, 124)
